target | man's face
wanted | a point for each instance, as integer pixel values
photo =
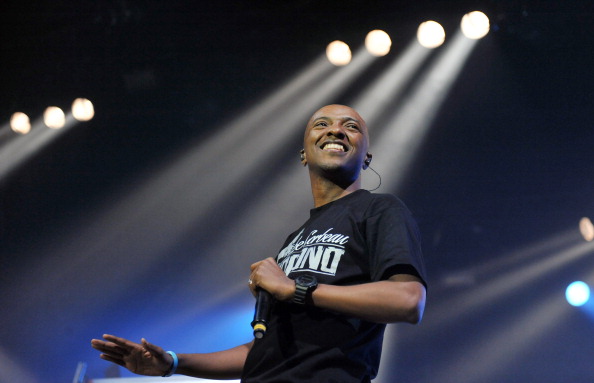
(336, 140)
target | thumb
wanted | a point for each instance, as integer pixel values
(151, 348)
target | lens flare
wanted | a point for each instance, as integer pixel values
(54, 117)
(20, 123)
(430, 34)
(475, 25)
(577, 293)
(82, 109)
(378, 43)
(338, 53)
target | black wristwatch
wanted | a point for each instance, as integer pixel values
(304, 286)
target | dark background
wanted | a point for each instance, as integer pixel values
(507, 165)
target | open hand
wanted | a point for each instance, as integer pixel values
(144, 358)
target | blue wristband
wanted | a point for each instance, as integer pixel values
(173, 367)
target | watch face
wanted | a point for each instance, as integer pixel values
(306, 280)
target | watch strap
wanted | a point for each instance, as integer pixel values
(300, 293)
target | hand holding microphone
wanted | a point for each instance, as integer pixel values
(267, 282)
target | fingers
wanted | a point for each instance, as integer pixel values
(268, 260)
(252, 279)
(117, 348)
(124, 343)
(142, 358)
(109, 351)
(259, 267)
(267, 275)
(113, 360)
(257, 270)
(254, 266)
(252, 285)
(108, 347)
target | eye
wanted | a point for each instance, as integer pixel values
(353, 127)
(321, 123)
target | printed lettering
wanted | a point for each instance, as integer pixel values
(318, 252)
(331, 259)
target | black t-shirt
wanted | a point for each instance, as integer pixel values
(360, 238)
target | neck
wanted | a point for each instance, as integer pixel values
(325, 190)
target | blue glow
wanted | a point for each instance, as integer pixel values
(577, 293)
(219, 328)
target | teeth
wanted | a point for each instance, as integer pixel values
(334, 147)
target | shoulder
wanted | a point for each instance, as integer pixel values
(386, 199)
(367, 205)
(378, 203)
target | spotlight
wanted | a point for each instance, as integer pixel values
(430, 34)
(577, 293)
(338, 53)
(475, 25)
(587, 229)
(19, 123)
(378, 43)
(82, 109)
(54, 117)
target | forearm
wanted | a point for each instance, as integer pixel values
(382, 302)
(226, 364)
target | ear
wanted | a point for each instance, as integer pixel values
(367, 160)
(302, 157)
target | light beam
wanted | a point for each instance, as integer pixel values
(21, 148)
(409, 125)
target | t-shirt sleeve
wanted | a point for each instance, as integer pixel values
(393, 241)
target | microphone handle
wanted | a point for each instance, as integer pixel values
(261, 314)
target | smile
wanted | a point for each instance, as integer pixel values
(332, 146)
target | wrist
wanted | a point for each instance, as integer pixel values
(304, 287)
(173, 367)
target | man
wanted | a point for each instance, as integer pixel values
(352, 267)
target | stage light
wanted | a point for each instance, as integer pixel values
(338, 53)
(577, 293)
(430, 34)
(19, 123)
(587, 229)
(54, 117)
(378, 43)
(475, 25)
(82, 109)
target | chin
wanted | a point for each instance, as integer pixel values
(339, 171)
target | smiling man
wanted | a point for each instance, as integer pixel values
(336, 142)
(352, 267)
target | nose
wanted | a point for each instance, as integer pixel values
(336, 130)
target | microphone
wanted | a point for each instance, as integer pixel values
(261, 314)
